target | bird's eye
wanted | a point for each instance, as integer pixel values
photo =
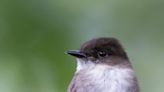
(102, 53)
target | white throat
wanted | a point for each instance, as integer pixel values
(105, 78)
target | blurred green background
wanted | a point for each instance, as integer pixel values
(34, 34)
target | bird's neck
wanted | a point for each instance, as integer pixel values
(105, 77)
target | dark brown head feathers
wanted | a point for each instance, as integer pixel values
(101, 46)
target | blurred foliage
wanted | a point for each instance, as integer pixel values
(34, 34)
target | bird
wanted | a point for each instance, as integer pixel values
(102, 66)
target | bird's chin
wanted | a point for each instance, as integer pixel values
(84, 64)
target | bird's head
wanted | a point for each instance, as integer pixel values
(101, 50)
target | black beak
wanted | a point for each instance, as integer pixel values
(76, 53)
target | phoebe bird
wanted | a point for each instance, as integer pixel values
(102, 66)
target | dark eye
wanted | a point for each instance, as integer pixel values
(102, 53)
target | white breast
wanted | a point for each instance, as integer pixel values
(105, 78)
